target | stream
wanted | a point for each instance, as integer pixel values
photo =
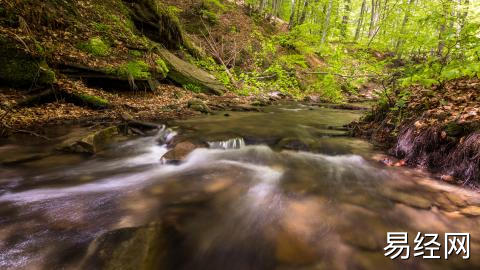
(279, 189)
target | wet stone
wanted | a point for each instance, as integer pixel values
(180, 151)
(408, 199)
(129, 248)
(91, 143)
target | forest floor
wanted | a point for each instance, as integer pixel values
(166, 103)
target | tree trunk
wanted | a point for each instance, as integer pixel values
(292, 15)
(327, 21)
(372, 19)
(443, 29)
(360, 20)
(304, 12)
(404, 23)
(346, 18)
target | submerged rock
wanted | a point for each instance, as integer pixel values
(91, 143)
(139, 248)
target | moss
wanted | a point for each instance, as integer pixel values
(135, 53)
(161, 67)
(94, 101)
(136, 69)
(101, 27)
(20, 69)
(213, 5)
(95, 46)
(210, 16)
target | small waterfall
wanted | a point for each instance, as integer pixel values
(165, 135)
(235, 143)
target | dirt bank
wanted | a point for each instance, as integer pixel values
(437, 129)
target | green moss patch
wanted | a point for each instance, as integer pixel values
(135, 69)
(82, 99)
(95, 46)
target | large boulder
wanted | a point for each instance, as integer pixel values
(185, 73)
(140, 248)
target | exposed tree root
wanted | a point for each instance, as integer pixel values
(432, 148)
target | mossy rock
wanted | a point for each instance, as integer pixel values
(91, 143)
(18, 68)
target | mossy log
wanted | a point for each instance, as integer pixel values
(184, 73)
(79, 99)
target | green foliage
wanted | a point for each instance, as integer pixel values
(217, 70)
(292, 61)
(96, 47)
(193, 87)
(434, 72)
(328, 88)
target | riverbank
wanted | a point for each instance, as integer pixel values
(167, 102)
(435, 128)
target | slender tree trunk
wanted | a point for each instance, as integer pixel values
(304, 12)
(372, 19)
(327, 21)
(346, 18)
(292, 15)
(404, 24)
(262, 5)
(360, 20)
(443, 29)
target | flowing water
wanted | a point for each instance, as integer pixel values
(281, 189)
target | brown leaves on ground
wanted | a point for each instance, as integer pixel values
(165, 103)
(457, 101)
